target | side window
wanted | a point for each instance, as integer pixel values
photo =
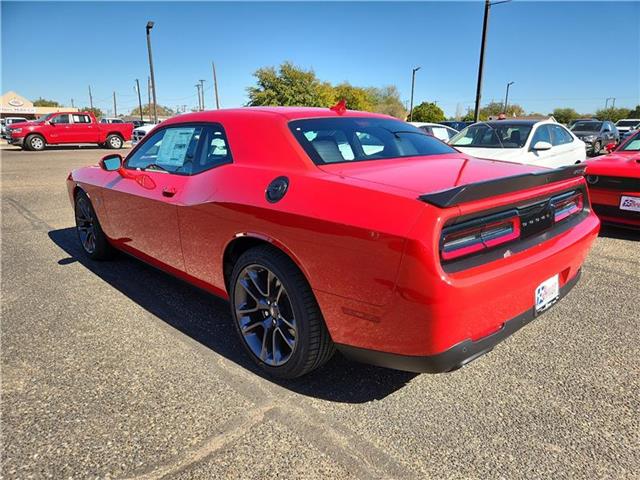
(215, 150)
(81, 119)
(542, 135)
(60, 119)
(560, 136)
(171, 149)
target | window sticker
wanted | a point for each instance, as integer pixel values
(173, 148)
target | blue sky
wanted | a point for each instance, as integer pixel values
(572, 54)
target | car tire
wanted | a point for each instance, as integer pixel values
(34, 143)
(597, 147)
(276, 314)
(114, 142)
(92, 239)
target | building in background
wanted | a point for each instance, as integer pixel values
(13, 104)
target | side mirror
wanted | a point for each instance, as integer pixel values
(111, 163)
(541, 146)
(610, 147)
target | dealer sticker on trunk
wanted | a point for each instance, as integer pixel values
(547, 293)
(630, 203)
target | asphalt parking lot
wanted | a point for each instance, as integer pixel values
(115, 370)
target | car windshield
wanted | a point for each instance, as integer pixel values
(586, 126)
(484, 135)
(633, 145)
(627, 123)
(353, 139)
(44, 118)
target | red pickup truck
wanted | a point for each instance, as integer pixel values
(68, 128)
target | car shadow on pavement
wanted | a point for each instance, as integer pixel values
(619, 233)
(206, 318)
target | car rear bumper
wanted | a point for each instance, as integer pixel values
(606, 204)
(456, 356)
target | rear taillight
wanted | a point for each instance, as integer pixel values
(484, 233)
(567, 205)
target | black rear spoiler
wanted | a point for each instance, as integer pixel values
(491, 188)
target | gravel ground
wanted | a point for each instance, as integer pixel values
(116, 370)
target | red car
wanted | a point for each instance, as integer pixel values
(328, 228)
(614, 184)
(68, 128)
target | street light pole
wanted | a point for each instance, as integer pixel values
(413, 83)
(215, 84)
(485, 25)
(153, 80)
(115, 106)
(139, 99)
(506, 98)
(197, 85)
(90, 98)
(202, 92)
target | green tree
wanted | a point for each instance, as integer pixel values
(289, 86)
(387, 100)
(427, 112)
(43, 102)
(613, 114)
(493, 109)
(147, 110)
(635, 113)
(95, 110)
(357, 98)
(565, 115)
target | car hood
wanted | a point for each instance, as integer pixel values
(506, 154)
(624, 164)
(22, 124)
(428, 174)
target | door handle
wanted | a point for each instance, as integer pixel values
(168, 192)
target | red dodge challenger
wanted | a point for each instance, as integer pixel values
(329, 229)
(614, 184)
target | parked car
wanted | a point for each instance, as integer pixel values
(111, 120)
(627, 126)
(543, 143)
(412, 256)
(456, 125)
(596, 134)
(441, 132)
(6, 122)
(139, 123)
(140, 132)
(68, 128)
(614, 183)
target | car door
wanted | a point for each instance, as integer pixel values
(568, 151)
(142, 205)
(607, 134)
(84, 131)
(60, 130)
(544, 158)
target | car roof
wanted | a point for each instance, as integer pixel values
(515, 122)
(289, 113)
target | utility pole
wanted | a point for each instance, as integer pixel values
(215, 85)
(115, 106)
(485, 25)
(139, 99)
(153, 80)
(90, 98)
(72, 105)
(413, 82)
(506, 98)
(202, 92)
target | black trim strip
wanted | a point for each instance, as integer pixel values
(498, 186)
(458, 355)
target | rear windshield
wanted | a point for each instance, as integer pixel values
(627, 123)
(483, 135)
(338, 140)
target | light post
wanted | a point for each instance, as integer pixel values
(153, 80)
(413, 83)
(197, 85)
(506, 98)
(485, 24)
(202, 92)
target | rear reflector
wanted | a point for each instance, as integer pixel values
(567, 205)
(478, 235)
